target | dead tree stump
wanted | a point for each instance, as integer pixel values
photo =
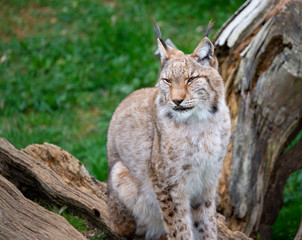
(259, 51)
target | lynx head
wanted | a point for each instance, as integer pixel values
(190, 85)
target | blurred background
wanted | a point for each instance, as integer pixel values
(65, 65)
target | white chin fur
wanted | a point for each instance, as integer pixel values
(182, 116)
(194, 114)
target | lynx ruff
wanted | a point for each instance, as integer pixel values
(165, 149)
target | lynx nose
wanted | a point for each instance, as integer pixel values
(177, 101)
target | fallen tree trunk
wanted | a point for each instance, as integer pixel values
(259, 51)
(22, 219)
(47, 170)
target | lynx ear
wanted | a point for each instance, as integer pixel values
(163, 49)
(204, 53)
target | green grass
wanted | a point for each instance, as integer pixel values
(75, 221)
(295, 141)
(289, 217)
(78, 221)
(66, 65)
(288, 221)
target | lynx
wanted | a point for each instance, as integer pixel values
(165, 149)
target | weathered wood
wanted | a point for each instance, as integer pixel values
(259, 52)
(22, 219)
(48, 170)
(68, 182)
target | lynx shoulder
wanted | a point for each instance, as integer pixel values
(165, 149)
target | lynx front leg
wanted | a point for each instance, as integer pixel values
(204, 216)
(176, 214)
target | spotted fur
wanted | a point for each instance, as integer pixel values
(165, 150)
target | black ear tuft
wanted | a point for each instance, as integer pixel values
(209, 27)
(157, 30)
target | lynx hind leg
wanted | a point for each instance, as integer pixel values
(121, 219)
(122, 192)
(204, 217)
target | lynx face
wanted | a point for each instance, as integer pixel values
(190, 84)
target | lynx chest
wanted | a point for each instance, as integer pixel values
(191, 153)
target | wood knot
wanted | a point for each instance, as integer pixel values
(96, 213)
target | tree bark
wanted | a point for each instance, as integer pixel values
(259, 51)
(47, 170)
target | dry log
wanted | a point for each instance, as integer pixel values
(259, 51)
(49, 171)
(52, 172)
(22, 219)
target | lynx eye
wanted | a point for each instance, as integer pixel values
(190, 80)
(167, 81)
